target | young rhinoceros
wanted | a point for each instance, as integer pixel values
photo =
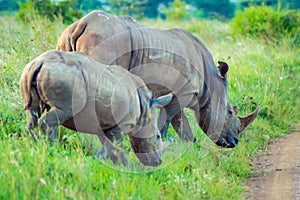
(86, 96)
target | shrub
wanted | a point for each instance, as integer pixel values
(220, 9)
(134, 8)
(176, 10)
(267, 23)
(65, 9)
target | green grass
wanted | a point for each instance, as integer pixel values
(260, 74)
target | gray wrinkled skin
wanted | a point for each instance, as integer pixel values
(170, 60)
(86, 96)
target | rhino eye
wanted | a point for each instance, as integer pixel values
(158, 136)
(230, 112)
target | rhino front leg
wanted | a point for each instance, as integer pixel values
(110, 150)
(50, 121)
(174, 114)
(163, 123)
(115, 137)
(182, 127)
(166, 115)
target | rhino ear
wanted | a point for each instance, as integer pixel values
(245, 121)
(223, 68)
(150, 94)
(162, 100)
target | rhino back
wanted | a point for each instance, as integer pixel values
(62, 86)
(117, 99)
(167, 60)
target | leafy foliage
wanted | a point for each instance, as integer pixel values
(265, 22)
(64, 9)
(87, 6)
(9, 5)
(215, 8)
(133, 8)
(286, 4)
(176, 11)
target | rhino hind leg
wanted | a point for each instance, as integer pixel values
(50, 121)
(110, 150)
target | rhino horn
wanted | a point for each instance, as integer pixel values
(162, 100)
(165, 146)
(245, 121)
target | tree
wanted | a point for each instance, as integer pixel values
(151, 10)
(135, 8)
(9, 5)
(88, 5)
(176, 11)
(223, 8)
(283, 4)
(66, 9)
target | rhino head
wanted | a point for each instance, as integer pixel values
(233, 126)
(219, 119)
(146, 142)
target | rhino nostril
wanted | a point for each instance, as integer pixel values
(228, 141)
(158, 163)
(194, 140)
(232, 142)
(236, 140)
(30, 126)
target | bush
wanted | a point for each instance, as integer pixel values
(267, 23)
(134, 8)
(65, 9)
(176, 10)
(212, 9)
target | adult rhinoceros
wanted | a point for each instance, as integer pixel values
(167, 60)
(87, 96)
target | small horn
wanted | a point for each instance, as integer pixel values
(245, 121)
(165, 146)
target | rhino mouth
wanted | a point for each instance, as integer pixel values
(228, 141)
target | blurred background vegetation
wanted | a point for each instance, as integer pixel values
(268, 19)
(174, 9)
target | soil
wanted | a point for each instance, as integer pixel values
(277, 172)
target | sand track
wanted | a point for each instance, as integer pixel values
(277, 171)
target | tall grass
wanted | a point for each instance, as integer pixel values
(260, 74)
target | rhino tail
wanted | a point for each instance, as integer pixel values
(33, 71)
(64, 42)
(79, 29)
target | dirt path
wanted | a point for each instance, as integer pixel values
(278, 171)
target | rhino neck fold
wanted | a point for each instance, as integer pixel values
(210, 120)
(138, 45)
(204, 108)
(143, 107)
(132, 53)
